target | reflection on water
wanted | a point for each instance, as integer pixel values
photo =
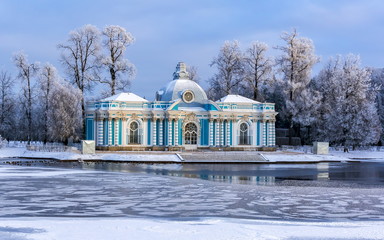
(260, 174)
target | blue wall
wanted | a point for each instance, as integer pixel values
(149, 132)
(173, 132)
(231, 132)
(120, 132)
(113, 131)
(165, 132)
(105, 132)
(180, 132)
(204, 123)
(258, 133)
(90, 129)
(157, 132)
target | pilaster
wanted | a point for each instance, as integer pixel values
(100, 131)
(161, 133)
(116, 131)
(217, 133)
(176, 132)
(264, 133)
(210, 132)
(154, 128)
(169, 132)
(109, 131)
(228, 135)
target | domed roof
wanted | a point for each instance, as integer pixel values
(232, 98)
(125, 97)
(181, 84)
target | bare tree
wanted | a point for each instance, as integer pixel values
(6, 104)
(79, 56)
(230, 70)
(65, 112)
(349, 115)
(26, 72)
(378, 80)
(258, 67)
(48, 76)
(295, 64)
(193, 75)
(116, 40)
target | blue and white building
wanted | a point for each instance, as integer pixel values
(181, 117)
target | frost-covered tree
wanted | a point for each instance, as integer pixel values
(79, 57)
(257, 69)
(295, 66)
(378, 79)
(349, 113)
(230, 71)
(66, 116)
(193, 75)
(7, 105)
(27, 72)
(115, 42)
(47, 79)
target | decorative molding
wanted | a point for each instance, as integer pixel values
(191, 117)
(245, 118)
(134, 116)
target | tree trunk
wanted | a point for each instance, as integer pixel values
(29, 112)
(113, 80)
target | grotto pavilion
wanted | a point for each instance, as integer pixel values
(180, 118)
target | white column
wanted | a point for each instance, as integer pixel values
(217, 133)
(228, 133)
(154, 135)
(123, 131)
(210, 132)
(161, 132)
(116, 131)
(176, 132)
(253, 132)
(169, 132)
(143, 132)
(272, 133)
(109, 131)
(222, 133)
(99, 137)
(264, 134)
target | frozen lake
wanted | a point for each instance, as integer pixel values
(334, 173)
(305, 192)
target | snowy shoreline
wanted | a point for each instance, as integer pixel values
(197, 157)
(205, 228)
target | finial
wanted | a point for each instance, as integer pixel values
(181, 71)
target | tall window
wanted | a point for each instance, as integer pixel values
(133, 137)
(190, 133)
(244, 136)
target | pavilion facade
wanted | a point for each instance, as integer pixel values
(181, 117)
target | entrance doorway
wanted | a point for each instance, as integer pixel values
(190, 134)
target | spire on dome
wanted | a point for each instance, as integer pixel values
(181, 71)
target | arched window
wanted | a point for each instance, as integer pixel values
(133, 136)
(190, 134)
(244, 136)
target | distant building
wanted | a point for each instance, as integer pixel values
(181, 117)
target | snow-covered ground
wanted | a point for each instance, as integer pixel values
(292, 156)
(12, 152)
(279, 156)
(206, 228)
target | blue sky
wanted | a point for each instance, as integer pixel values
(169, 31)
